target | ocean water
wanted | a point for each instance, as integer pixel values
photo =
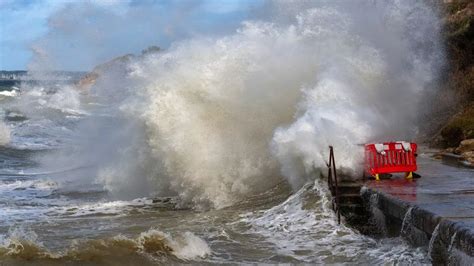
(210, 151)
(47, 221)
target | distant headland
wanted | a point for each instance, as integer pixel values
(23, 75)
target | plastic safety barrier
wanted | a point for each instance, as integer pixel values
(390, 157)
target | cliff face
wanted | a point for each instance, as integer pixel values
(459, 79)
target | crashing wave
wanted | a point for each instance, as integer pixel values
(152, 245)
(213, 120)
(305, 229)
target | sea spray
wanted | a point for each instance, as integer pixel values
(410, 232)
(435, 247)
(451, 247)
(407, 227)
(4, 134)
(101, 30)
(377, 216)
(213, 119)
(446, 253)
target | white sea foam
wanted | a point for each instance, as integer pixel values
(12, 93)
(25, 200)
(189, 247)
(21, 185)
(99, 208)
(37, 99)
(34, 199)
(305, 222)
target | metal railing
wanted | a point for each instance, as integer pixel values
(332, 184)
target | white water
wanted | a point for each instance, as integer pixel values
(4, 134)
(215, 119)
(22, 243)
(11, 93)
(305, 228)
(299, 229)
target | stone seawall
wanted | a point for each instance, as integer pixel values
(448, 239)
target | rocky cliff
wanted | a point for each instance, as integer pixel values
(456, 97)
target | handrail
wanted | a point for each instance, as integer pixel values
(333, 183)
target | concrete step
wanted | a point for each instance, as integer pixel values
(357, 219)
(349, 188)
(351, 208)
(350, 183)
(350, 198)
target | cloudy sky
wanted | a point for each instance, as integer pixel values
(53, 30)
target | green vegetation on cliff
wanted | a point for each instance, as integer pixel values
(459, 127)
(459, 82)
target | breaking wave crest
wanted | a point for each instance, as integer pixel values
(150, 246)
(215, 119)
(6, 93)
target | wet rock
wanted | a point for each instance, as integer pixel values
(468, 156)
(466, 150)
(440, 154)
(450, 150)
(455, 100)
(465, 146)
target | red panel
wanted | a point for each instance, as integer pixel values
(395, 159)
